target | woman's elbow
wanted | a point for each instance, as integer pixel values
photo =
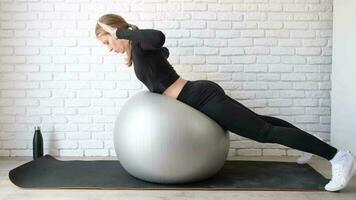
(161, 40)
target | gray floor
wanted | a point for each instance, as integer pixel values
(8, 191)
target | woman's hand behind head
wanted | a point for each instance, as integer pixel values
(109, 29)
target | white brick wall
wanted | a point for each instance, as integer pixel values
(274, 56)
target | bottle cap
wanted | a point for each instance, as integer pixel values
(37, 128)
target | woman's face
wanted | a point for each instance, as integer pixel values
(118, 46)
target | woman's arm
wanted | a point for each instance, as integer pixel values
(149, 39)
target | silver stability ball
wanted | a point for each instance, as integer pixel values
(163, 140)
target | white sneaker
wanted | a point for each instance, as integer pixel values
(342, 166)
(304, 158)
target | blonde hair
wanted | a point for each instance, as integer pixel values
(116, 21)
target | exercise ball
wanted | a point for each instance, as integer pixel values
(162, 140)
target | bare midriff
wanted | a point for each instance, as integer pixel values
(174, 89)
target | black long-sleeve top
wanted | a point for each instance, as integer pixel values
(150, 58)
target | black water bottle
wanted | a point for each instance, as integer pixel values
(37, 143)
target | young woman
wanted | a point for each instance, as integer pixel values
(144, 48)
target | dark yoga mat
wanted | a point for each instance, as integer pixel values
(48, 172)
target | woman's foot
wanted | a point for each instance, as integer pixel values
(342, 165)
(304, 158)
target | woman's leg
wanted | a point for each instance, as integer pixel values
(304, 156)
(272, 120)
(238, 119)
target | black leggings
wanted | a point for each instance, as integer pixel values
(209, 98)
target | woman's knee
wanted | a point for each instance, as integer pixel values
(265, 135)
